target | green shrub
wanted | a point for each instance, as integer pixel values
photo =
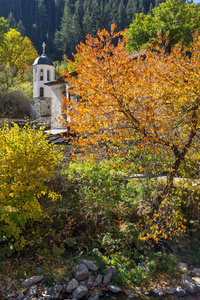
(101, 187)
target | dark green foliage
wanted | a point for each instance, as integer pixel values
(21, 28)
(11, 21)
(67, 22)
(97, 258)
(177, 19)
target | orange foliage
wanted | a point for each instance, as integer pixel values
(152, 103)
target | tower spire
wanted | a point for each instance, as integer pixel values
(43, 46)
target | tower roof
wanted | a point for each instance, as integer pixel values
(43, 59)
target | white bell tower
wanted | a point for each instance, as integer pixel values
(43, 72)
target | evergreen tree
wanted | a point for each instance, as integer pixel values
(131, 10)
(11, 21)
(21, 28)
(65, 32)
(76, 32)
(95, 15)
(87, 22)
(141, 8)
(47, 20)
(42, 18)
(35, 36)
(121, 16)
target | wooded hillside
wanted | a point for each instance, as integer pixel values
(62, 24)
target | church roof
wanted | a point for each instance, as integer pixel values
(43, 59)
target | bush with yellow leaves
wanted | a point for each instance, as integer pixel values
(27, 161)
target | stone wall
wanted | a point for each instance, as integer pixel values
(40, 107)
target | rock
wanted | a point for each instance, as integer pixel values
(63, 289)
(89, 264)
(20, 296)
(8, 279)
(189, 284)
(197, 281)
(144, 267)
(32, 291)
(80, 292)
(107, 277)
(98, 280)
(159, 292)
(147, 293)
(180, 291)
(55, 296)
(58, 287)
(138, 289)
(45, 291)
(195, 272)
(90, 281)
(32, 280)
(113, 270)
(182, 267)
(46, 297)
(171, 291)
(10, 285)
(131, 296)
(95, 295)
(72, 285)
(80, 272)
(11, 295)
(114, 289)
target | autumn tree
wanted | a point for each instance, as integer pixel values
(17, 51)
(152, 104)
(27, 161)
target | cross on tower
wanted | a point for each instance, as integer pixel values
(43, 46)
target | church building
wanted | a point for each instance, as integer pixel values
(46, 107)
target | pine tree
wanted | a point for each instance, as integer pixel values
(131, 10)
(42, 18)
(11, 21)
(21, 28)
(87, 22)
(76, 32)
(121, 16)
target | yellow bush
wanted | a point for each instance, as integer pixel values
(27, 161)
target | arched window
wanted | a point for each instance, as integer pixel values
(41, 74)
(41, 92)
(48, 75)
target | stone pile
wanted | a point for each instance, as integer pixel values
(87, 283)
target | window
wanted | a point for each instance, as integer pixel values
(41, 74)
(41, 92)
(48, 75)
(73, 98)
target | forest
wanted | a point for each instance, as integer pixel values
(67, 22)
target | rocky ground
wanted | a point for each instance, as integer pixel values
(86, 282)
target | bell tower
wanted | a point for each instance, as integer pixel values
(43, 72)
